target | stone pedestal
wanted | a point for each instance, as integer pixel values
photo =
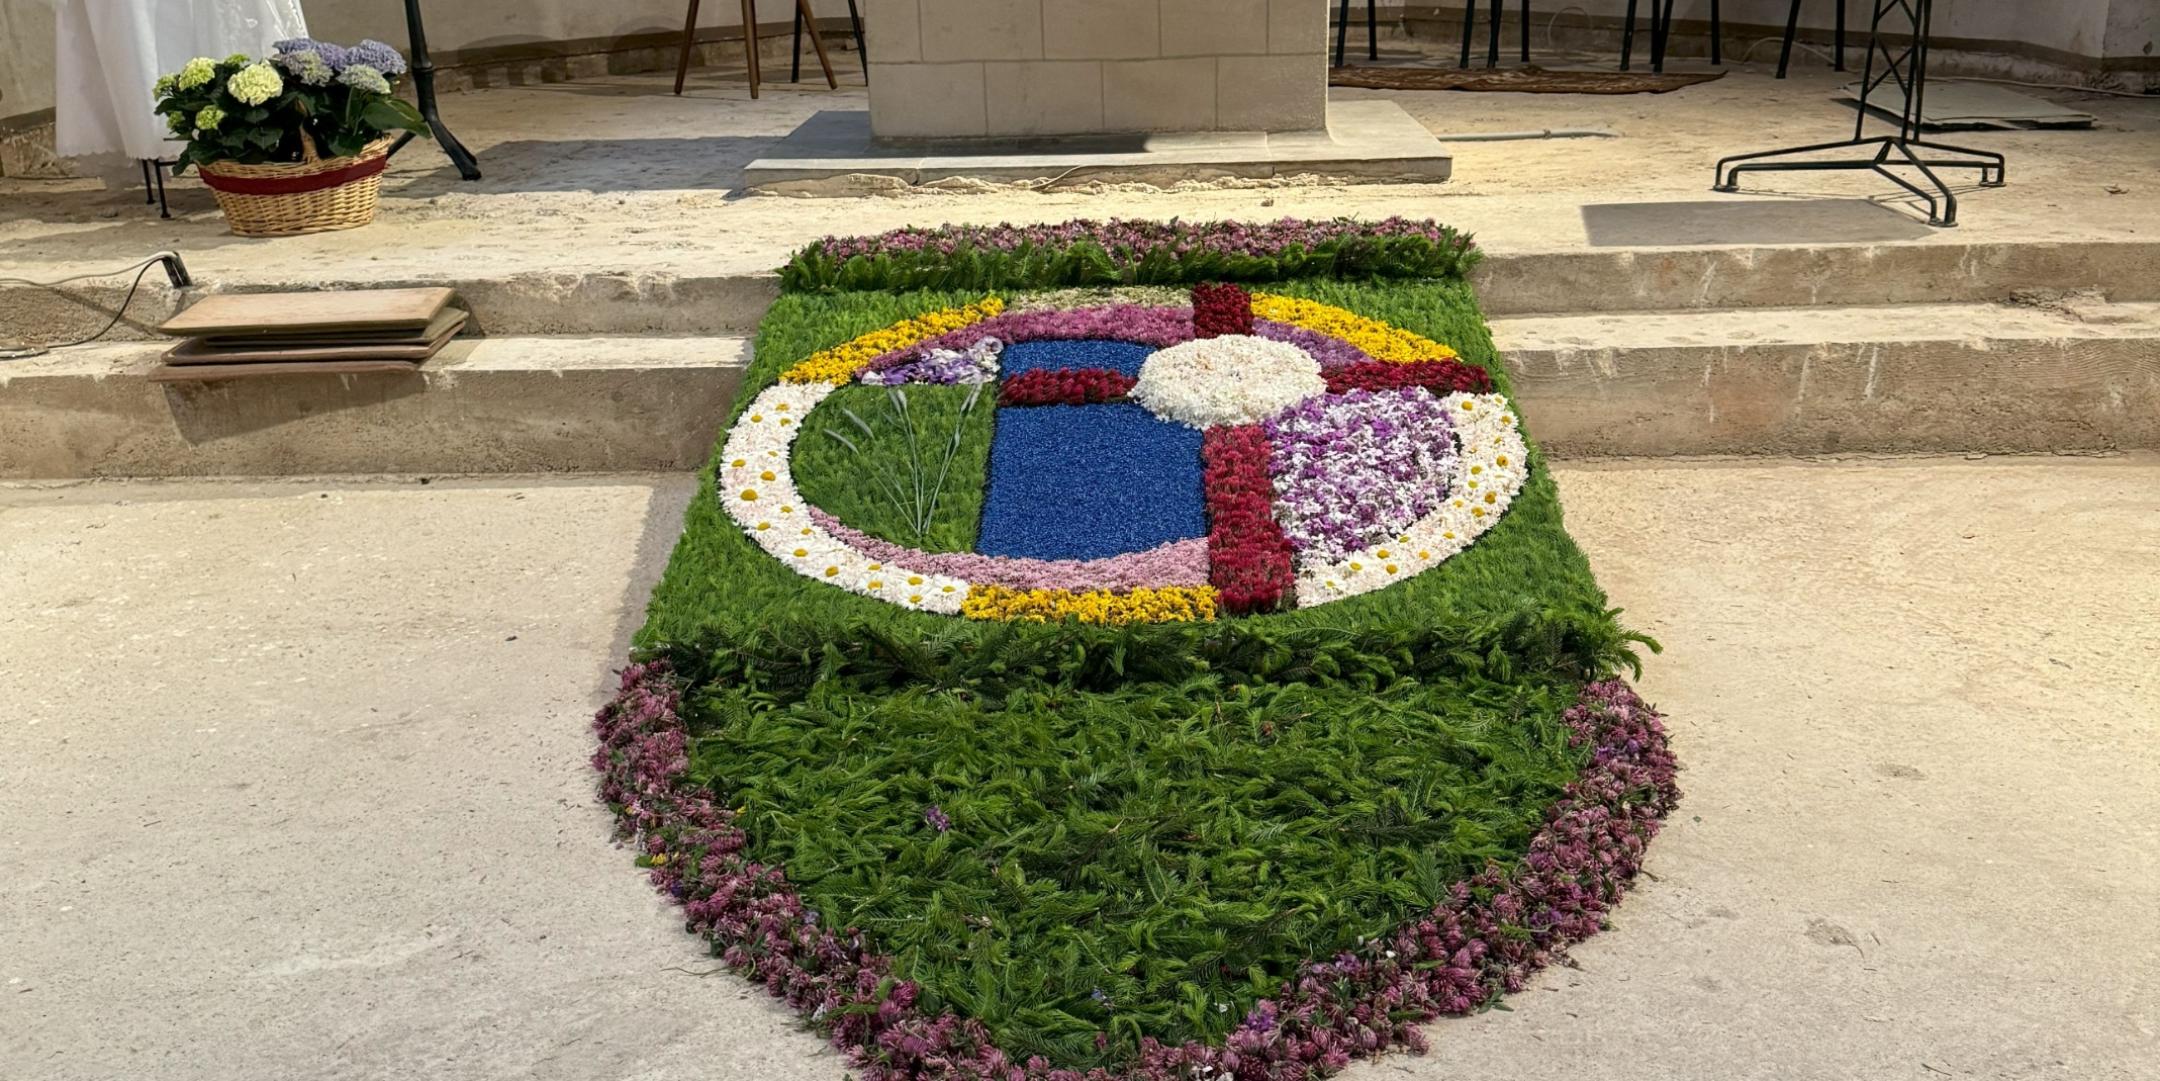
(983, 68)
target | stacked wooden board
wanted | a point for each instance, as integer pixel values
(330, 332)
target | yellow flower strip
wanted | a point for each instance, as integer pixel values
(1168, 604)
(1379, 340)
(840, 363)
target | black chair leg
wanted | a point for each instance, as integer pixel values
(1627, 36)
(1838, 48)
(1657, 36)
(862, 51)
(1372, 29)
(1492, 37)
(794, 71)
(1792, 26)
(1469, 30)
(1525, 31)
(689, 45)
(1342, 31)
(1717, 35)
(1667, 47)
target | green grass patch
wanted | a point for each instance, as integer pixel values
(907, 464)
(1151, 825)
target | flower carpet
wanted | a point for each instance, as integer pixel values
(1132, 650)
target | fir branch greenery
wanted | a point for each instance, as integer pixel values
(1148, 827)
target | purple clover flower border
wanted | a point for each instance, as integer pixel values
(1493, 932)
(1118, 234)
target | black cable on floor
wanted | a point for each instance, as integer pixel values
(173, 268)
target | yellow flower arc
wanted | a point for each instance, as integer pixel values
(839, 364)
(1379, 340)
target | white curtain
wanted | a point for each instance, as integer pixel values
(109, 53)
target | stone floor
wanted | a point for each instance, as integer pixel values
(295, 786)
(616, 174)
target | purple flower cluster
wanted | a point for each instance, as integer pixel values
(1173, 237)
(1178, 563)
(369, 53)
(1331, 352)
(1138, 323)
(1486, 939)
(978, 363)
(1352, 469)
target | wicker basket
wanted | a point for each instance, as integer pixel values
(314, 195)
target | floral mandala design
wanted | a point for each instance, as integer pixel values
(1247, 454)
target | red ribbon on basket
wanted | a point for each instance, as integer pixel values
(292, 185)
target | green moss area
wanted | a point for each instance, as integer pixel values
(1151, 826)
(886, 460)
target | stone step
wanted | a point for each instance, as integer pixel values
(1708, 278)
(484, 405)
(2078, 374)
(612, 302)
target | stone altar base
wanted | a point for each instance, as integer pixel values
(835, 153)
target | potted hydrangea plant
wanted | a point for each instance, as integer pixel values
(295, 143)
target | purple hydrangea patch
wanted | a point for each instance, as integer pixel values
(1351, 469)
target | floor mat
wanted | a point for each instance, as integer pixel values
(1529, 80)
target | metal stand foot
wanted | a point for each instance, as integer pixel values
(423, 73)
(1904, 149)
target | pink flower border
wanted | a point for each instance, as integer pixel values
(1487, 939)
(1177, 563)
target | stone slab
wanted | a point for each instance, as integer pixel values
(1907, 379)
(338, 731)
(1367, 141)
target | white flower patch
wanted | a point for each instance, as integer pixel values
(1233, 379)
(1489, 472)
(754, 485)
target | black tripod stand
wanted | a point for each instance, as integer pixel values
(423, 72)
(1909, 69)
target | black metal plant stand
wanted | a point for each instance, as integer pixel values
(423, 72)
(1909, 69)
(153, 182)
